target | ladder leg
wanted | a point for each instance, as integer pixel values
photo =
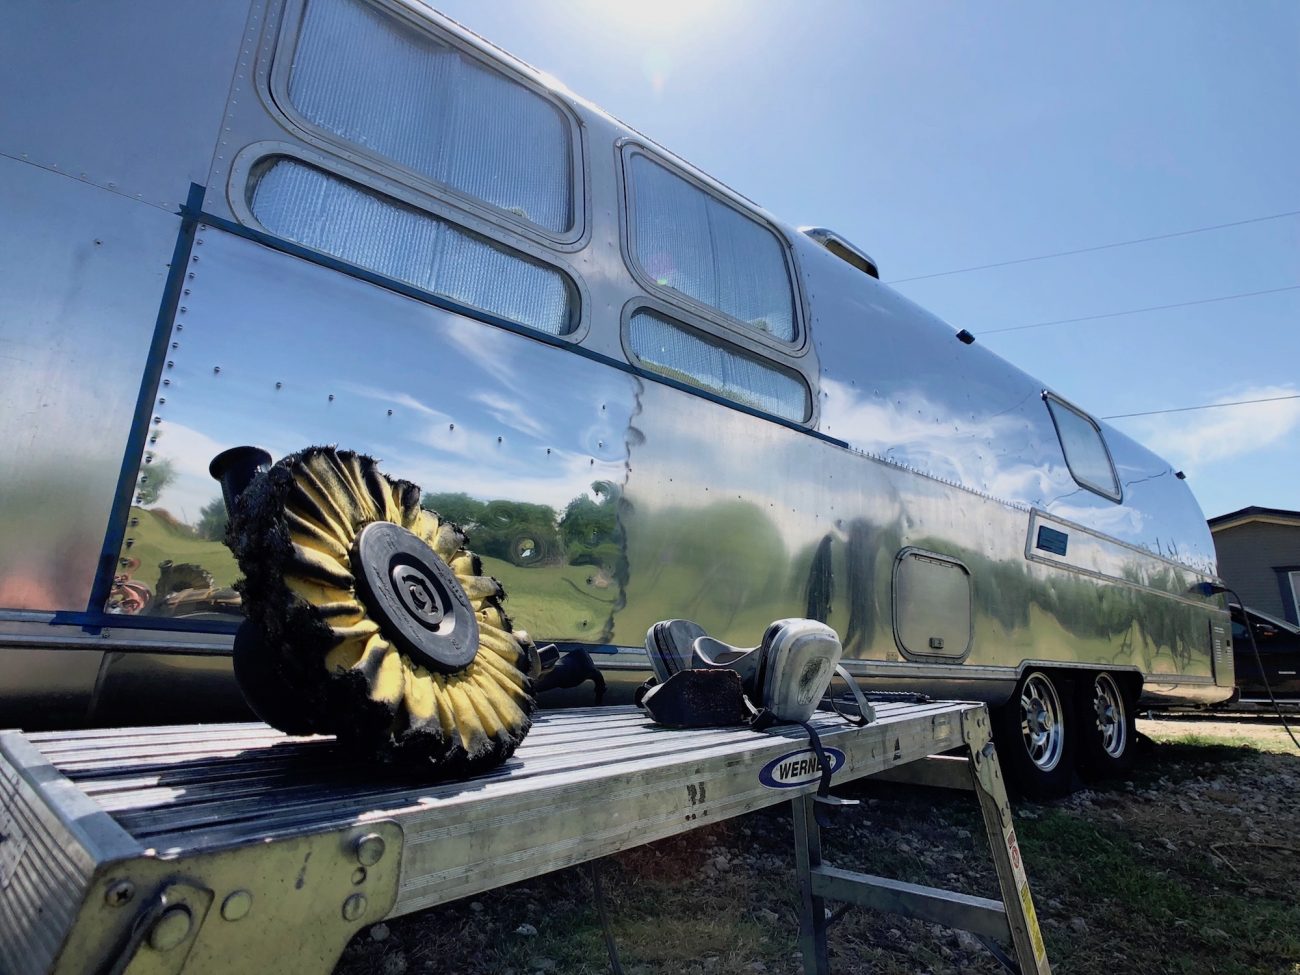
(812, 909)
(986, 773)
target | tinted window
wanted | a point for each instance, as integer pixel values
(1085, 451)
(308, 205)
(376, 81)
(681, 353)
(686, 239)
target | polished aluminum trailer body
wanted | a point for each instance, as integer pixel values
(215, 242)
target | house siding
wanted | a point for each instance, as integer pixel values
(1250, 556)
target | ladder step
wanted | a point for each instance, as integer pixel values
(978, 915)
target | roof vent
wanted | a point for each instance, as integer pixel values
(842, 249)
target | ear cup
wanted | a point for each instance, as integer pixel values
(370, 620)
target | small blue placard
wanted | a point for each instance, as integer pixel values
(1050, 540)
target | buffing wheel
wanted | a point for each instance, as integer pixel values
(368, 619)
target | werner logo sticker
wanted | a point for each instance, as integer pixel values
(798, 768)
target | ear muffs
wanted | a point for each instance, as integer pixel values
(368, 619)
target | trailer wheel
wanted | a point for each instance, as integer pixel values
(1106, 727)
(1035, 736)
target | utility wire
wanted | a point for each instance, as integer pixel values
(1206, 406)
(1098, 247)
(1138, 311)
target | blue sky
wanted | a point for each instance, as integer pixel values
(941, 136)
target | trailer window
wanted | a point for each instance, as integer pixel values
(686, 240)
(311, 207)
(682, 353)
(374, 80)
(1085, 450)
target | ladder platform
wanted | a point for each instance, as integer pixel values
(188, 848)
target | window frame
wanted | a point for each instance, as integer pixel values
(671, 313)
(274, 81)
(1052, 400)
(736, 331)
(240, 186)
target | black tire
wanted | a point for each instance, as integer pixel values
(1107, 729)
(1035, 734)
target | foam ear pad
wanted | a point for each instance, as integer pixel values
(369, 619)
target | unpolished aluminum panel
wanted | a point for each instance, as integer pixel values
(932, 606)
(126, 97)
(523, 441)
(81, 278)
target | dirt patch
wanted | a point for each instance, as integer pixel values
(1191, 865)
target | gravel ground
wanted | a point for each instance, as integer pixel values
(1190, 865)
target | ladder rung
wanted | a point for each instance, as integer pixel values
(979, 915)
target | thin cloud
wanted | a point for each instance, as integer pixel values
(1206, 436)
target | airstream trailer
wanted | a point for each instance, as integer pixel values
(288, 222)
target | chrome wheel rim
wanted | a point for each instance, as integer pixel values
(1040, 722)
(1112, 724)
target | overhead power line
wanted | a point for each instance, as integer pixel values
(1205, 406)
(1098, 247)
(1138, 311)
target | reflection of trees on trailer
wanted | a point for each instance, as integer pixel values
(350, 221)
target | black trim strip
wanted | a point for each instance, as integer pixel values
(126, 478)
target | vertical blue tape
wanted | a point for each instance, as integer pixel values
(126, 478)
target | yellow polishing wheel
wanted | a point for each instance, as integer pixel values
(368, 618)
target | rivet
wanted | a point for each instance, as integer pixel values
(369, 849)
(162, 400)
(354, 907)
(171, 929)
(171, 364)
(237, 905)
(121, 892)
(167, 382)
(548, 450)
(451, 426)
(498, 439)
(183, 309)
(215, 370)
(331, 397)
(358, 876)
(390, 412)
(279, 385)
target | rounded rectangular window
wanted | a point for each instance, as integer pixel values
(325, 213)
(379, 83)
(690, 357)
(686, 240)
(1085, 450)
